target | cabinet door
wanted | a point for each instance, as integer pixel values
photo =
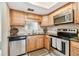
(76, 12)
(38, 18)
(59, 44)
(34, 17)
(77, 15)
(30, 44)
(17, 18)
(45, 21)
(39, 42)
(74, 48)
(30, 16)
(51, 20)
(54, 42)
(47, 42)
(74, 51)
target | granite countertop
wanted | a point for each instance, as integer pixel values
(76, 39)
(34, 34)
(26, 35)
(65, 38)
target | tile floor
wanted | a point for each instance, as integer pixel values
(44, 52)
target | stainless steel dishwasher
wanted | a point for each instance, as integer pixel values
(17, 45)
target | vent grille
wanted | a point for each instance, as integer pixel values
(29, 9)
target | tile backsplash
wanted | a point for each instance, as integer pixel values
(24, 31)
(53, 29)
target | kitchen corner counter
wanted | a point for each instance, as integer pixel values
(35, 34)
(65, 38)
(74, 39)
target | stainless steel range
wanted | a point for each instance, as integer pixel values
(61, 42)
(66, 34)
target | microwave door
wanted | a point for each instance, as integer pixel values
(65, 17)
(59, 20)
(69, 18)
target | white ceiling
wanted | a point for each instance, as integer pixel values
(45, 5)
(40, 8)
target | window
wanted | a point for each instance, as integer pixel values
(32, 27)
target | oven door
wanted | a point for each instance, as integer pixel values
(59, 44)
(54, 42)
(65, 47)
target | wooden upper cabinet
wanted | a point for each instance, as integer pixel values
(17, 17)
(34, 16)
(30, 16)
(76, 12)
(26, 17)
(51, 20)
(45, 21)
(38, 17)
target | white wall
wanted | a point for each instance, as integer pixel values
(5, 21)
(0, 23)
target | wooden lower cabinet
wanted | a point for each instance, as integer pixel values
(30, 45)
(34, 43)
(47, 42)
(39, 42)
(74, 48)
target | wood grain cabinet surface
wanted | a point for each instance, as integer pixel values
(50, 22)
(74, 48)
(47, 42)
(72, 6)
(17, 17)
(30, 44)
(38, 18)
(37, 42)
(76, 12)
(34, 43)
(45, 21)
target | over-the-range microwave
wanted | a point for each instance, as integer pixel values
(64, 17)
